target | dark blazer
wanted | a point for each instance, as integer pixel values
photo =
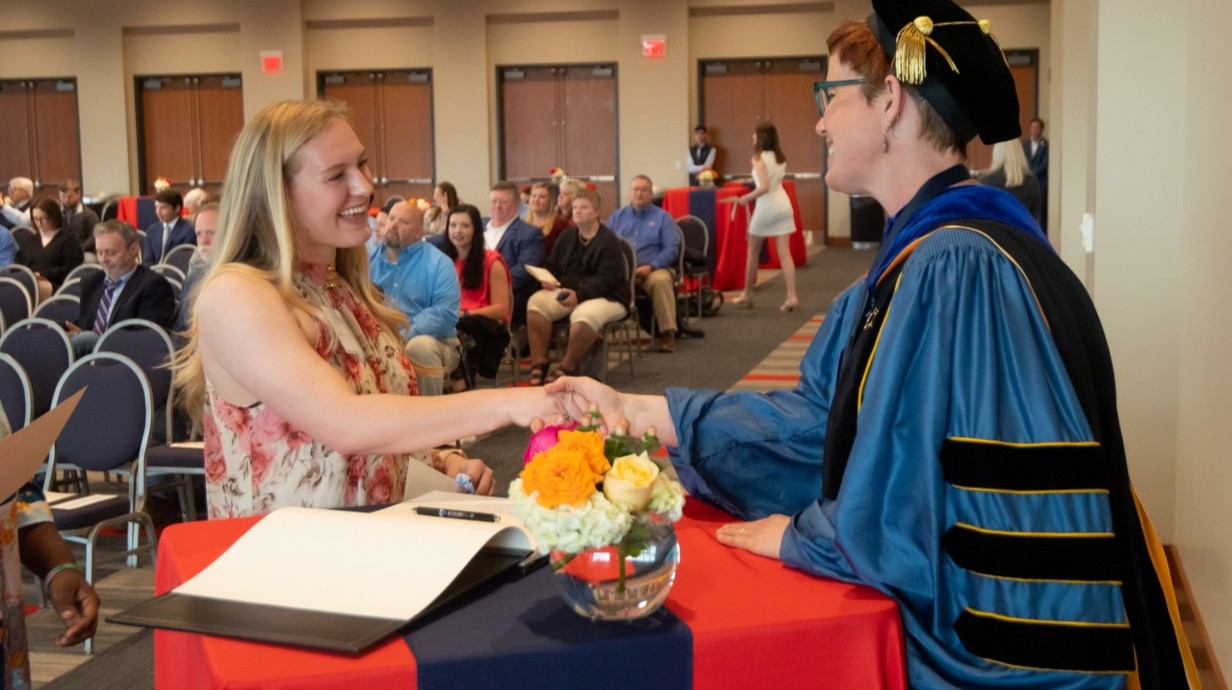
(521, 245)
(61, 255)
(146, 296)
(1038, 162)
(593, 270)
(181, 233)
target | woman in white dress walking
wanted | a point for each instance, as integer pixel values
(772, 216)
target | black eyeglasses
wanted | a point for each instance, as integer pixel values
(821, 91)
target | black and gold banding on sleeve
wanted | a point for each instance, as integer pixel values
(1073, 557)
(1072, 646)
(1031, 468)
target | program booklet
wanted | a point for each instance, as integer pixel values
(542, 275)
(342, 581)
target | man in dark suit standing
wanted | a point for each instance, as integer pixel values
(171, 230)
(124, 289)
(1036, 149)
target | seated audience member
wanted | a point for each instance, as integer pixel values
(543, 215)
(592, 289)
(519, 242)
(564, 199)
(1011, 172)
(79, 220)
(444, 198)
(16, 208)
(193, 199)
(205, 226)
(379, 225)
(523, 201)
(124, 289)
(170, 231)
(51, 253)
(653, 233)
(297, 368)
(486, 299)
(8, 248)
(28, 537)
(419, 281)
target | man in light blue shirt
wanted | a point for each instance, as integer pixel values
(8, 247)
(420, 281)
(653, 233)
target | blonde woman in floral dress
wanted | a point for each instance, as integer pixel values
(307, 396)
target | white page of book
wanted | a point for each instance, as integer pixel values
(380, 565)
(501, 507)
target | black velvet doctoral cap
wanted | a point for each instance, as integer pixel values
(955, 63)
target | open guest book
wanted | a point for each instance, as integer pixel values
(341, 580)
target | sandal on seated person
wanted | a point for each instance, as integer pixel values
(537, 372)
(560, 371)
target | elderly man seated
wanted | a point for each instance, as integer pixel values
(420, 281)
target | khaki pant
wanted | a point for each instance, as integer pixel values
(660, 285)
(595, 313)
(432, 359)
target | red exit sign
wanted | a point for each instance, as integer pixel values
(654, 46)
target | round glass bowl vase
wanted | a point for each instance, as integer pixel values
(593, 584)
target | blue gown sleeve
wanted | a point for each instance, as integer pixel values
(963, 353)
(756, 454)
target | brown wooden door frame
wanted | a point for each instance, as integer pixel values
(196, 143)
(49, 143)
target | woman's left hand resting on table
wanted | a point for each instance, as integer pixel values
(481, 475)
(762, 537)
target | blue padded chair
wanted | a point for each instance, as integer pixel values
(695, 255)
(151, 349)
(109, 429)
(181, 257)
(15, 301)
(60, 308)
(26, 277)
(14, 392)
(43, 350)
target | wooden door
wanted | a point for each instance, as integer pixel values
(219, 118)
(168, 138)
(405, 100)
(358, 90)
(560, 116)
(588, 130)
(57, 144)
(737, 95)
(16, 131)
(731, 97)
(792, 110)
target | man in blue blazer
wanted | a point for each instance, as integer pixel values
(171, 230)
(519, 243)
(1035, 147)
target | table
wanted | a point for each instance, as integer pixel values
(729, 225)
(755, 623)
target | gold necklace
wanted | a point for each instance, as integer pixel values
(331, 277)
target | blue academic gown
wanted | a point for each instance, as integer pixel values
(963, 353)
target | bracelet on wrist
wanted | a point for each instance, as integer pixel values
(51, 574)
(438, 462)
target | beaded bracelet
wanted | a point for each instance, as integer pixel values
(51, 574)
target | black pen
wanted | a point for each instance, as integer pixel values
(456, 514)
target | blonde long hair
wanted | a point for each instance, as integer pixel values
(255, 234)
(550, 216)
(1008, 156)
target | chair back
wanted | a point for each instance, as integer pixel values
(43, 350)
(15, 302)
(70, 287)
(181, 256)
(168, 271)
(630, 257)
(150, 348)
(81, 273)
(696, 237)
(26, 229)
(177, 288)
(14, 393)
(60, 308)
(111, 425)
(25, 276)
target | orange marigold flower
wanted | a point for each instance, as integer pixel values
(560, 476)
(589, 445)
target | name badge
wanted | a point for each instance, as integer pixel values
(342, 331)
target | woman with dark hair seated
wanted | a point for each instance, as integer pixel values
(592, 289)
(50, 253)
(486, 301)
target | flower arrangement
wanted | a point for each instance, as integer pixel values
(706, 178)
(558, 175)
(162, 184)
(579, 491)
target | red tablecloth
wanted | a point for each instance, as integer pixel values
(730, 227)
(755, 623)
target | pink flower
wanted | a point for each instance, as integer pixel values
(543, 439)
(215, 468)
(380, 488)
(262, 460)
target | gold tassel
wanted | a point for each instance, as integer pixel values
(911, 49)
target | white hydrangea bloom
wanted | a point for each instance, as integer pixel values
(667, 498)
(597, 523)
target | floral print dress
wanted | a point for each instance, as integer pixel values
(256, 461)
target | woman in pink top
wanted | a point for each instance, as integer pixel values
(486, 299)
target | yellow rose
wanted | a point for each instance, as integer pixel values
(630, 480)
